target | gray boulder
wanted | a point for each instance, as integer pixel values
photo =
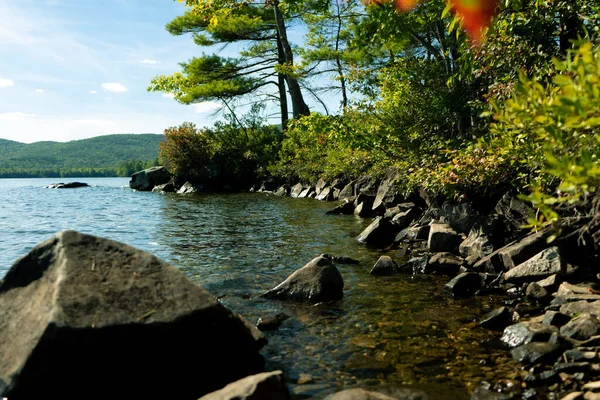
(296, 190)
(536, 353)
(317, 281)
(582, 306)
(264, 386)
(404, 217)
(190, 188)
(540, 266)
(390, 394)
(513, 214)
(387, 193)
(81, 312)
(497, 319)
(68, 185)
(479, 242)
(164, 188)
(522, 250)
(146, 180)
(384, 266)
(582, 327)
(326, 194)
(442, 238)
(347, 191)
(463, 285)
(380, 233)
(460, 216)
(527, 332)
(346, 208)
(444, 263)
(283, 191)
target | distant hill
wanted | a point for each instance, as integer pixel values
(108, 155)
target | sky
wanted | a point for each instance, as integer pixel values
(74, 69)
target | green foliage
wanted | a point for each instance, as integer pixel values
(98, 156)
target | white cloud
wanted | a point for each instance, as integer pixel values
(39, 90)
(147, 61)
(169, 95)
(12, 116)
(93, 92)
(114, 87)
(206, 107)
(6, 82)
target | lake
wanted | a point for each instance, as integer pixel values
(398, 330)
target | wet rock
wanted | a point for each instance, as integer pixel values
(544, 377)
(80, 312)
(497, 319)
(385, 266)
(555, 318)
(542, 265)
(572, 367)
(165, 188)
(271, 323)
(190, 188)
(264, 386)
(326, 194)
(342, 259)
(416, 265)
(442, 238)
(345, 208)
(581, 327)
(484, 391)
(413, 233)
(463, 285)
(573, 396)
(347, 192)
(380, 233)
(320, 185)
(317, 281)
(527, 332)
(307, 192)
(536, 353)
(146, 180)
(444, 263)
(582, 306)
(362, 394)
(461, 216)
(535, 292)
(283, 191)
(69, 185)
(403, 218)
(296, 190)
(479, 242)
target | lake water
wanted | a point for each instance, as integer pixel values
(397, 330)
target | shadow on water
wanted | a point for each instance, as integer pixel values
(386, 331)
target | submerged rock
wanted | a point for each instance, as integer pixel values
(69, 185)
(385, 266)
(362, 394)
(190, 188)
(380, 233)
(81, 312)
(497, 319)
(317, 281)
(264, 386)
(146, 180)
(463, 285)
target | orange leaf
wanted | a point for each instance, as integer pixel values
(405, 5)
(476, 15)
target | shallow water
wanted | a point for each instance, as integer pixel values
(386, 331)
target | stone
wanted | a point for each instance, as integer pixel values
(380, 233)
(460, 216)
(463, 285)
(320, 185)
(326, 194)
(442, 238)
(513, 213)
(526, 332)
(582, 306)
(416, 265)
(497, 319)
(282, 191)
(268, 186)
(591, 396)
(445, 264)
(536, 353)
(69, 185)
(364, 205)
(402, 219)
(347, 192)
(306, 192)
(550, 283)
(296, 190)
(394, 394)
(271, 323)
(479, 242)
(566, 288)
(540, 266)
(572, 298)
(592, 386)
(164, 188)
(146, 180)
(345, 208)
(387, 193)
(413, 233)
(582, 327)
(535, 292)
(316, 282)
(264, 386)
(81, 312)
(190, 188)
(524, 249)
(385, 266)
(555, 318)
(573, 396)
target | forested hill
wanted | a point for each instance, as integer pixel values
(108, 155)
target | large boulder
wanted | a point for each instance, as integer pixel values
(527, 332)
(380, 233)
(463, 285)
(68, 185)
(296, 190)
(390, 394)
(146, 180)
(86, 317)
(387, 193)
(513, 214)
(540, 266)
(479, 242)
(190, 188)
(264, 386)
(461, 216)
(384, 266)
(317, 281)
(442, 238)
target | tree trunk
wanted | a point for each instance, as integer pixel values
(299, 107)
(281, 85)
(569, 30)
(337, 58)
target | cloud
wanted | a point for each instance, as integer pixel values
(207, 107)
(93, 92)
(39, 90)
(147, 61)
(114, 87)
(12, 116)
(169, 95)
(6, 82)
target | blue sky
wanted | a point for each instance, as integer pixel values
(73, 69)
